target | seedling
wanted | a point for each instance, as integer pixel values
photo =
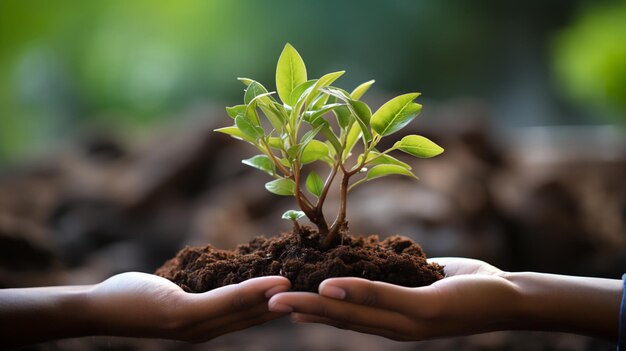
(317, 122)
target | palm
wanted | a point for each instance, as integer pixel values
(152, 306)
(464, 302)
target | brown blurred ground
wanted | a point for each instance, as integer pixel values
(542, 199)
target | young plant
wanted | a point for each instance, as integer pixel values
(301, 129)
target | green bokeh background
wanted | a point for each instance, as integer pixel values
(67, 66)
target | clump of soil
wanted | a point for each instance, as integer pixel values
(396, 260)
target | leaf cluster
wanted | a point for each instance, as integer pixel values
(313, 121)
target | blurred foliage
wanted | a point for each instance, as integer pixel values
(590, 59)
(71, 65)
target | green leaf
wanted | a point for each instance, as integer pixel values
(331, 149)
(377, 158)
(282, 186)
(363, 114)
(290, 72)
(261, 162)
(344, 116)
(251, 115)
(294, 151)
(358, 109)
(259, 100)
(324, 81)
(293, 215)
(277, 120)
(313, 151)
(248, 128)
(245, 81)
(276, 143)
(353, 135)
(337, 93)
(254, 89)
(385, 170)
(358, 92)
(300, 90)
(314, 184)
(311, 116)
(328, 133)
(418, 146)
(236, 110)
(319, 102)
(262, 98)
(308, 136)
(285, 162)
(235, 133)
(395, 114)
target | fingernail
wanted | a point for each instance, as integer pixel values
(334, 292)
(280, 308)
(275, 290)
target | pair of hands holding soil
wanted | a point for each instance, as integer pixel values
(474, 297)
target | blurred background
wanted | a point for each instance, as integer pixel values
(108, 162)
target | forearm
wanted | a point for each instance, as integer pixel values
(34, 315)
(579, 305)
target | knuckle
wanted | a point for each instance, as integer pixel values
(370, 297)
(239, 300)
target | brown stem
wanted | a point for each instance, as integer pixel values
(340, 225)
(300, 198)
(296, 227)
(276, 162)
(305, 199)
(327, 184)
(305, 204)
(343, 200)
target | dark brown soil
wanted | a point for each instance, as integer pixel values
(395, 260)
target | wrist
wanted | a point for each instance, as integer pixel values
(101, 314)
(581, 305)
(33, 315)
(74, 308)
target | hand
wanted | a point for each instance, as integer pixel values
(134, 304)
(139, 304)
(474, 297)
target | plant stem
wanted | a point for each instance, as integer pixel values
(296, 229)
(276, 162)
(327, 184)
(298, 193)
(340, 225)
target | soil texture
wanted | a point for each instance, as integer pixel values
(396, 260)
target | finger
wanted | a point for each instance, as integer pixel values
(340, 311)
(309, 318)
(234, 298)
(376, 294)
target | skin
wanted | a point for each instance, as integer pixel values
(474, 298)
(134, 304)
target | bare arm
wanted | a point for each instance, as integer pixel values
(474, 298)
(134, 304)
(32, 315)
(580, 305)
